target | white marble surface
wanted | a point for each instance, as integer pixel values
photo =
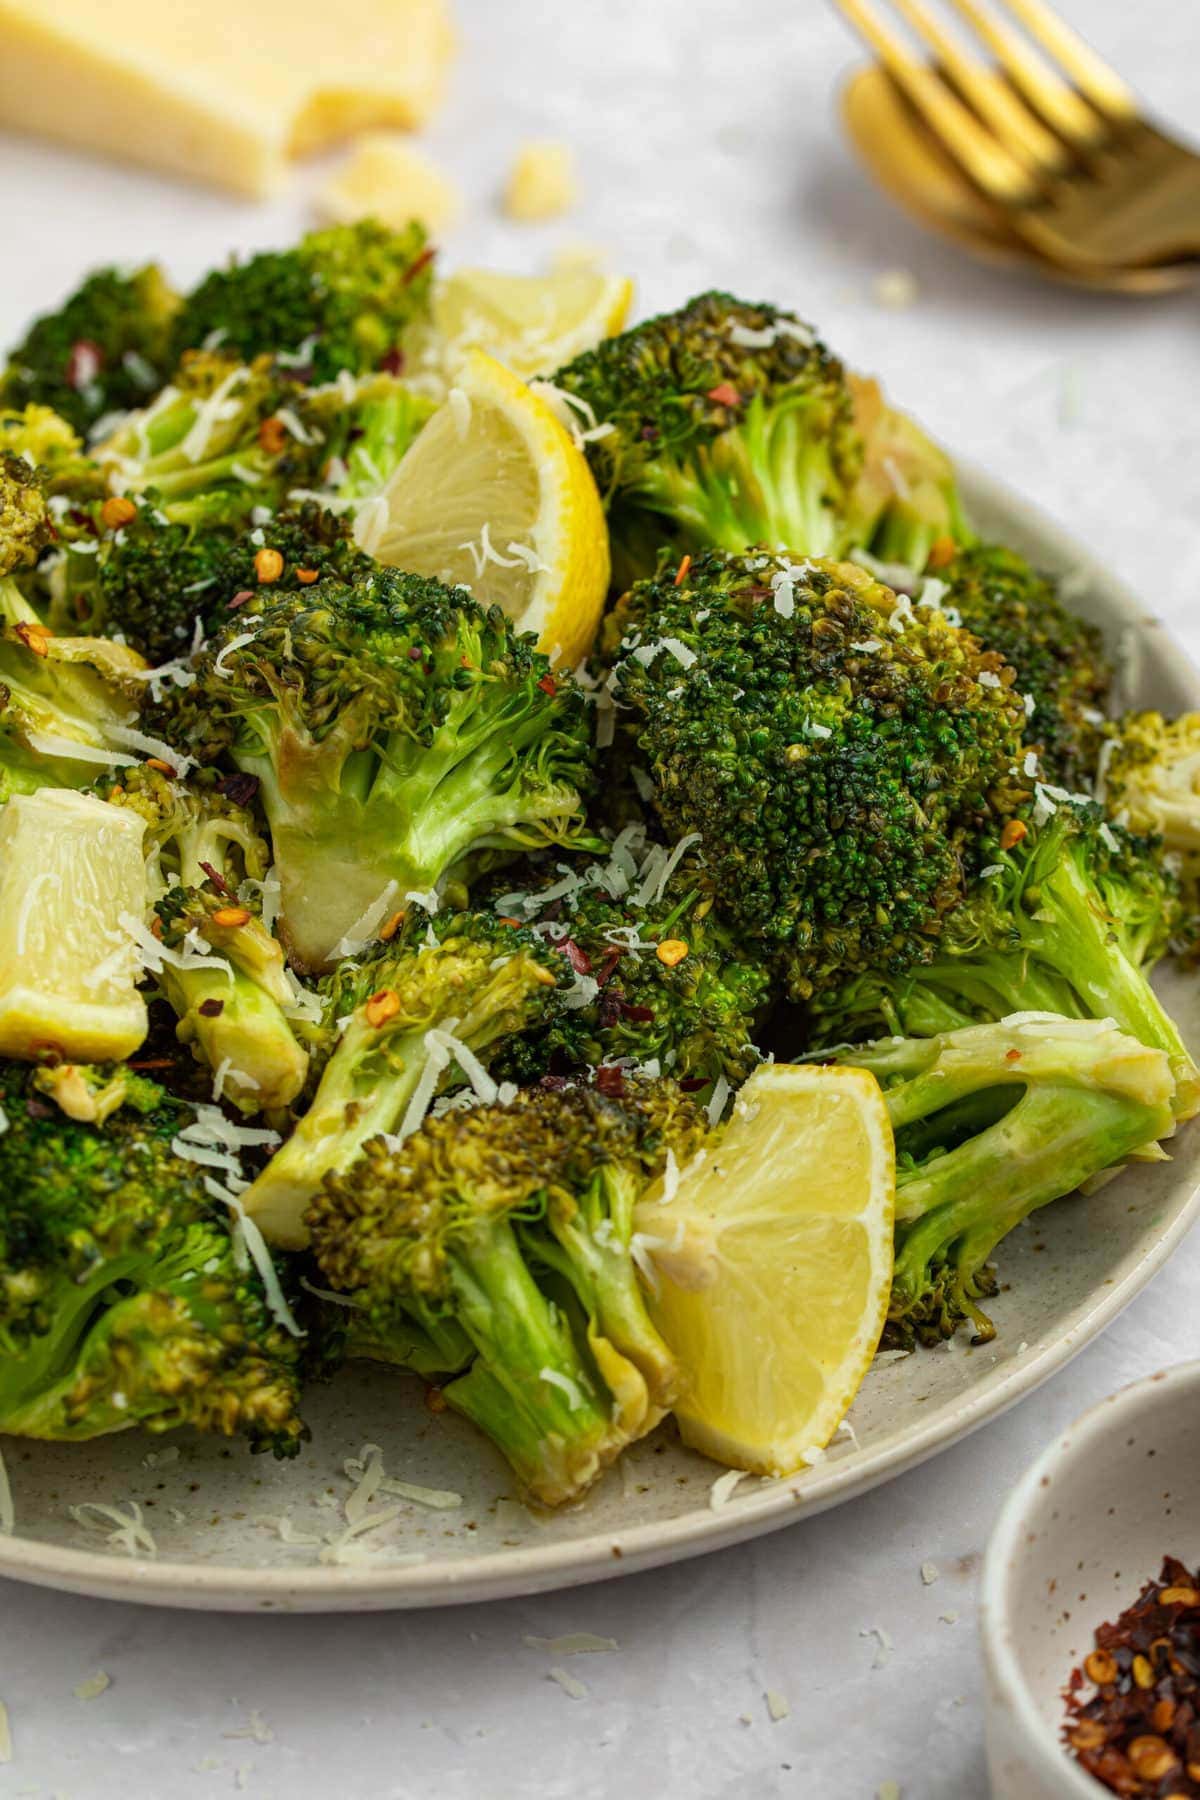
(709, 154)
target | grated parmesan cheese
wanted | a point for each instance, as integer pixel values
(6, 1748)
(573, 1643)
(260, 1256)
(721, 1489)
(8, 1515)
(94, 1686)
(570, 1684)
(124, 1531)
(556, 1378)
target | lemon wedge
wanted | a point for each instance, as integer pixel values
(495, 496)
(773, 1262)
(531, 323)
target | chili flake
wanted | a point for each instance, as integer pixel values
(1139, 1731)
(1012, 834)
(942, 551)
(381, 1007)
(117, 511)
(671, 951)
(306, 577)
(725, 394)
(268, 565)
(272, 435)
(681, 572)
(231, 918)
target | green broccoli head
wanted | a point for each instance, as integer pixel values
(834, 749)
(654, 976)
(1068, 916)
(91, 1092)
(343, 298)
(407, 1020)
(401, 737)
(51, 446)
(1060, 660)
(725, 423)
(123, 1296)
(512, 1223)
(993, 1121)
(103, 351)
(1151, 779)
(25, 527)
(223, 972)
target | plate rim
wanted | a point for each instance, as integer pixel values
(607, 1555)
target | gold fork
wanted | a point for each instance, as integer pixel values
(1054, 141)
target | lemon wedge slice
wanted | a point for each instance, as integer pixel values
(495, 496)
(773, 1261)
(531, 323)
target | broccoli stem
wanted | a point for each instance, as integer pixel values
(964, 1202)
(530, 1390)
(229, 1019)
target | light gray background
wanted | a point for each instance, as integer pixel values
(709, 154)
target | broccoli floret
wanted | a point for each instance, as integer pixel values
(386, 1049)
(834, 749)
(1068, 917)
(1151, 779)
(65, 702)
(992, 1122)
(370, 436)
(401, 735)
(91, 1092)
(343, 298)
(906, 501)
(514, 1223)
(53, 448)
(155, 579)
(222, 971)
(124, 1300)
(727, 423)
(1060, 660)
(103, 351)
(653, 976)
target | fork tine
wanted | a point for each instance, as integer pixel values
(981, 156)
(1090, 73)
(1020, 130)
(1041, 84)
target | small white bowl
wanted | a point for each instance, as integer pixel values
(1079, 1536)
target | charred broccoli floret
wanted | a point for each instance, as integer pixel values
(906, 499)
(342, 298)
(103, 351)
(398, 1024)
(222, 971)
(654, 976)
(1060, 660)
(726, 423)
(992, 1122)
(401, 735)
(834, 749)
(124, 1299)
(1067, 917)
(513, 1224)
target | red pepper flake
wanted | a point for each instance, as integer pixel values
(1012, 834)
(231, 918)
(306, 577)
(418, 263)
(217, 879)
(1136, 1732)
(415, 653)
(272, 436)
(608, 967)
(638, 1015)
(681, 572)
(84, 363)
(241, 789)
(211, 1009)
(33, 636)
(392, 361)
(268, 564)
(579, 959)
(610, 1080)
(692, 1084)
(1012, 1056)
(156, 762)
(117, 511)
(548, 685)
(725, 394)
(240, 598)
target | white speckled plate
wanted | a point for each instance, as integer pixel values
(1067, 1276)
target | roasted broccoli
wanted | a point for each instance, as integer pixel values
(216, 964)
(65, 703)
(835, 749)
(1150, 779)
(724, 423)
(513, 1222)
(91, 1092)
(906, 500)
(103, 351)
(401, 735)
(992, 1122)
(1068, 917)
(1063, 672)
(124, 1298)
(397, 1023)
(343, 298)
(52, 447)
(654, 976)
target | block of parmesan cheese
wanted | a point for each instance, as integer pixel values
(224, 91)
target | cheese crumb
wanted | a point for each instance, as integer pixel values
(574, 1643)
(5, 1735)
(541, 182)
(573, 1688)
(387, 179)
(778, 1705)
(929, 1573)
(94, 1686)
(895, 289)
